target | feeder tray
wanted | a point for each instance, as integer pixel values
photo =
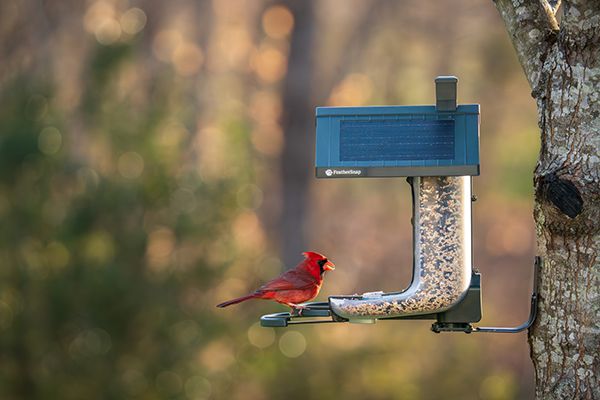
(458, 319)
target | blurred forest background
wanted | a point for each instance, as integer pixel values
(156, 158)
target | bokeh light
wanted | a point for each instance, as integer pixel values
(269, 63)
(187, 59)
(49, 140)
(90, 343)
(268, 140)
(134, 382)
(108, 31)
(131, 165)
(57, 256)
(277, 21)
(133, 20)
(248, 231)
(197, 387)
(217, 356)
(169, 383)
(97, 14)
(161, 243)
(261, 337)
(185, 332)
(183, 200)
(165, 42)
(292, 344)
(249, 196)
(354, 90)
(98, 247)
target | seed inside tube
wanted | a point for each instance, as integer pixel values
(442, 219)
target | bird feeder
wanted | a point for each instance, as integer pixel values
(436, 147)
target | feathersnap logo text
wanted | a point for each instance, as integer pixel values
(343, 172)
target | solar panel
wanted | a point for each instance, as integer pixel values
(388, 141)
(385, 140)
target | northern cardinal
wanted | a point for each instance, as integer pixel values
(294, 286)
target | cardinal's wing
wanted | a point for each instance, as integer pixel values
(290, 280)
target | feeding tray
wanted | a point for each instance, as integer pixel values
(458, 319)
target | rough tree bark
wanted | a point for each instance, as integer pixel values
(562, 64)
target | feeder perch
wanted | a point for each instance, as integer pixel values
(437, 148)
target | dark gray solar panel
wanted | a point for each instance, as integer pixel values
(387, 140)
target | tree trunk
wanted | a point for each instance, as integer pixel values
(562, 65)
(298, 127)
(300, 95)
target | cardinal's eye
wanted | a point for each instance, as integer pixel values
(322, 262)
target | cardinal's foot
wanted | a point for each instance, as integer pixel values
(296, 308)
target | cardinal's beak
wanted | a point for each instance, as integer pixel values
(329, 266)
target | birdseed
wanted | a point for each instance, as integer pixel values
(443, 247)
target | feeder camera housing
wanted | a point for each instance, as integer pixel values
(399, 141)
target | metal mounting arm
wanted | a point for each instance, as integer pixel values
(467, 328)
(532, 310)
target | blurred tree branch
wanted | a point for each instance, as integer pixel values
(531, 32)
(297, 125)
(353, 46)
(299, 95)
(550, 14)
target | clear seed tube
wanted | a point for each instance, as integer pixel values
(442, 255)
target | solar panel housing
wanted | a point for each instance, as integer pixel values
(397, 141)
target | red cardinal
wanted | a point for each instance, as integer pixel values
(294, 286)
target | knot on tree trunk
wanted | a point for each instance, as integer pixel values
(562, 193)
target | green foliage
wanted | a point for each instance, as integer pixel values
(98, 296)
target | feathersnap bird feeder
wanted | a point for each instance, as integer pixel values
(437, 148)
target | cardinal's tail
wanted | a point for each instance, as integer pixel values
(238, 300)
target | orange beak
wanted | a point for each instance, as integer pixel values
(329, 266)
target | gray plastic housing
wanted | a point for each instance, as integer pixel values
(445, 93)
(442, 256)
